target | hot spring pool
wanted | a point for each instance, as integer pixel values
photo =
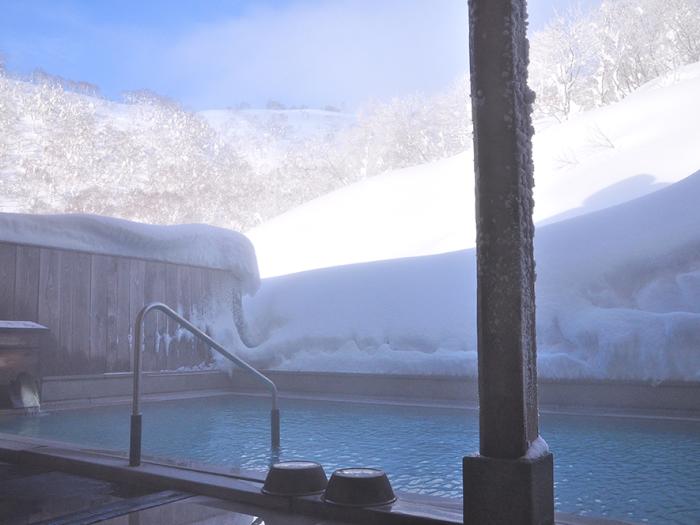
(641, 470)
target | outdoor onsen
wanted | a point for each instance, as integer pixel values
(345, 400)
(388, 263)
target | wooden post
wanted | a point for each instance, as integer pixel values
(500, 485)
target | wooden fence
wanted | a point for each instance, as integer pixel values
(89, 303)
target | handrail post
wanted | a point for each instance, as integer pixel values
(135, 433)
(138, 345)
(135, 441)
(275, 427)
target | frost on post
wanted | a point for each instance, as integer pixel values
(501, 105)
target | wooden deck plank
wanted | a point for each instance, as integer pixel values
(49, 313)
(198, 314)
(67, 261)
(26, 304)
(98, 312)
(172, 354)
(185, 343)
(137, 300)
(124, 322)
(82, 280)
(161, 319)
(156, 324)
(8, 264)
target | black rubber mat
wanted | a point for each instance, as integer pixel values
(31, 494)
(117, 508)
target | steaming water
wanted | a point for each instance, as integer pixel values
(634, 469)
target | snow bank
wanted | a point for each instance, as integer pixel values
(190, 244)
(403, 316)
(618, 280)
(617, 297)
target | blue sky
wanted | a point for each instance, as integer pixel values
(217, 53)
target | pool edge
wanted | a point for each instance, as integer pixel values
(409, 509)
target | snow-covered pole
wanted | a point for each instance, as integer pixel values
(505, 484)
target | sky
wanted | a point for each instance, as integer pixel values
(220, 53)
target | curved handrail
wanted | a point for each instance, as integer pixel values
(138, 343)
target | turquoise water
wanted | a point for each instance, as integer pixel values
(639, 470)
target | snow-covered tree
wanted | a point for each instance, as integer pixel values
(682, 18)
(62, 148)
(61, 151)
(562, 65)
(582, 60)
(410, 130)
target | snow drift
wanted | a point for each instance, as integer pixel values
(618, 296)
(618, 280)
(190, 244)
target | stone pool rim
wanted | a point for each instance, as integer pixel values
(628, 397)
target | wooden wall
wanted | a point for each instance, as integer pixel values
(89, 303)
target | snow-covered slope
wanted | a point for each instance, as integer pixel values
(617, 248)
(415, 211)
(595, 160)
(618, 296)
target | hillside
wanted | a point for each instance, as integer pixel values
(152, 161)
(268, 135)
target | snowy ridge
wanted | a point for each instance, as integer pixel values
(265, 137)
(191, 244)
(292, 124)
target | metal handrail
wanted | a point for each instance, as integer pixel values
(135, 431)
